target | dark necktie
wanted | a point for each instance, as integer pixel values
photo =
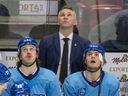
(64, 61)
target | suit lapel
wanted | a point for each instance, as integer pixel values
(73, 47)
(57, 46)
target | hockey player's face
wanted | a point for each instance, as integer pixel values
(2, 87)
(67, 18)
(92, 59)
(28, 54)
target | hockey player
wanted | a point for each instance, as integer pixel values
(93, 81)
(4, 77)
(20, 88)
(42, 82)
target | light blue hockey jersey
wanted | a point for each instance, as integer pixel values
(77, 85)
(43, 83)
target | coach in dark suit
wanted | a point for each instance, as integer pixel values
(51, 46)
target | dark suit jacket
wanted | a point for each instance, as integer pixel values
(49, 53)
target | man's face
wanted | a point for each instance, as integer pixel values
(28, 54)
(67, 18)
(92, 59)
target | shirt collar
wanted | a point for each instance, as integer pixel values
(70, 36)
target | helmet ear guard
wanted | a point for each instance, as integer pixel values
(102, 59)
(5, 74)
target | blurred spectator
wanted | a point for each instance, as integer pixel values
(4, 28)
(121, 42)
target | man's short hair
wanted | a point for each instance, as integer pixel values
(67, 7)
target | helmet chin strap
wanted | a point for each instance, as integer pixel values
(92, 70)
(30, 64)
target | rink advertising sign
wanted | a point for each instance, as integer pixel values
(8, 58)
(117, 63)
(40, 7)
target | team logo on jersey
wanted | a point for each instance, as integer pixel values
(82, 92)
